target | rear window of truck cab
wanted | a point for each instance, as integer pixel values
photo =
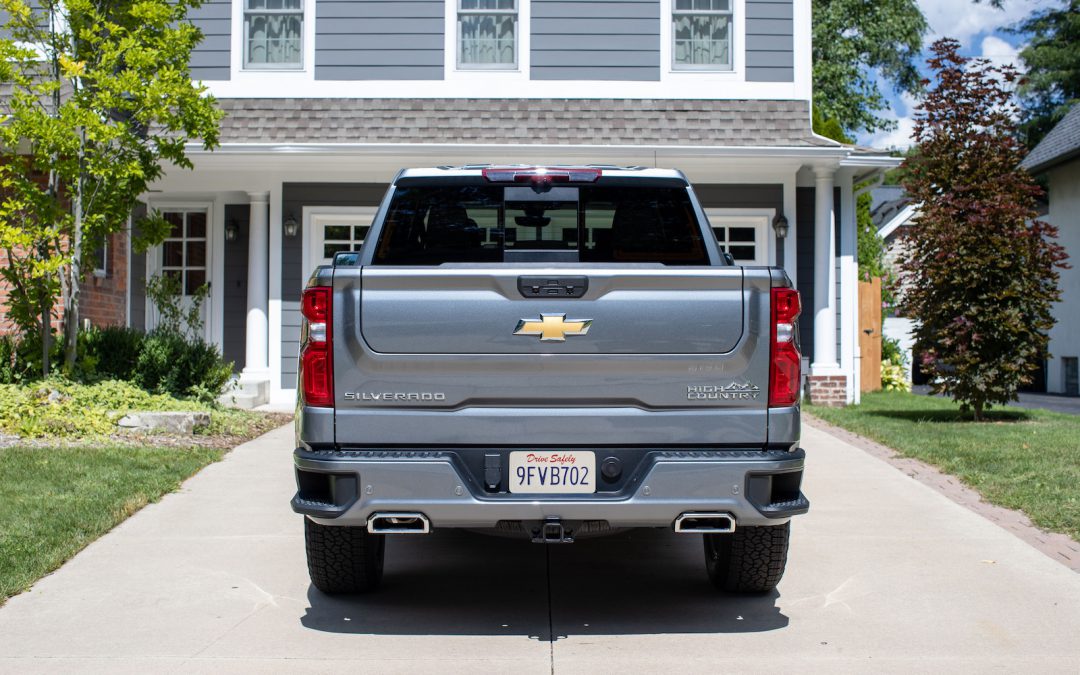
(432, 224)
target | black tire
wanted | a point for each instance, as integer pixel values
(749, 560)
(343, 559)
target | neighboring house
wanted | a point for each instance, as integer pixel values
(1057, 157)
(892, 213)
(327, 100)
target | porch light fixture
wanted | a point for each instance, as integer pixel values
(780, 226)
(292, 227)
(232, 230)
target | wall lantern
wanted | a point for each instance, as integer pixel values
(232, 230)
(780, 226)
(292, 227)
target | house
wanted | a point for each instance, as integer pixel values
(892, 213)
(326, 100)
(1057, 158)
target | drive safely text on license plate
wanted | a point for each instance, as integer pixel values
(554, 471)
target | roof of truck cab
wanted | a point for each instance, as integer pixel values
(605, 169)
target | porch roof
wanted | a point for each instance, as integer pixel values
(624, 122)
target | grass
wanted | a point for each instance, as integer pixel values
(1021, 459)
(55, 501)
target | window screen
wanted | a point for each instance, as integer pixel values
(431, 225)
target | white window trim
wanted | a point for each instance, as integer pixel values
(485, 77)
(760, 219)
(669, 72)
(705, 68)
(316, 216)
(270, 77)
(487, 67)
(277, 68)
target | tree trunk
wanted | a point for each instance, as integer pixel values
(71, 307)
(45, 335)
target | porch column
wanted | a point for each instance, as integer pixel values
(256, 365)
(827, 382)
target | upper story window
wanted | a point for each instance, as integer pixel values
(487, 34)
(701, 31)
(273, 34)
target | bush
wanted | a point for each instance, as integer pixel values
(894, 377)
(111, 352)
(171, 363)
(20, 359)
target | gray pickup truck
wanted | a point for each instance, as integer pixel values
(551, 353)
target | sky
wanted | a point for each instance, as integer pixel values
(978, 28)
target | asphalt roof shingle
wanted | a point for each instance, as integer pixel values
(1061, 144)
(519, 121)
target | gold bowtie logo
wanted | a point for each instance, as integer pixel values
(552, 327)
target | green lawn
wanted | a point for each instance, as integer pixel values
(1020, 459)
(55, 501)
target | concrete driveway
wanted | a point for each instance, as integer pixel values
(885, 575)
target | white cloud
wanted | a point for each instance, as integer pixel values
(1000, 53)
(964, 19)
(899, 138)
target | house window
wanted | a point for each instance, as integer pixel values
(273, 34)
(99, 260)
(336, 232)
(183, 253)
(742, 235)
(487, 34)
(701, 31)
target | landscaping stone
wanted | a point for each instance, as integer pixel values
(170, 422)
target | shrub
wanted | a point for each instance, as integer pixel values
(111, 352)
(894, 377)
(891, 352)
(181, 366)
(20, 358)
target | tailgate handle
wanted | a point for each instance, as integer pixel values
(553, 287)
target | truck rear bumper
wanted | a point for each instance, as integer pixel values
(345, 487)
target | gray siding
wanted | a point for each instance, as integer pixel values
(744, 197)
(210, 60)
(770, 43)
(137, 272)
(379, 39)
(294, 197)
(234, 291)
(600, 40)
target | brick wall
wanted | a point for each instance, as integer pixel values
(104, 298)
(827, 390)
(6, 326)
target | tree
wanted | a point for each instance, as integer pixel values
(857, 45)
(100, 101)
(981, 273)
(1052, 59)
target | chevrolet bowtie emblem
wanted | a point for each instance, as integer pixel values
(552, 327)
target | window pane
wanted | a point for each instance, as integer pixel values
(330, 249)
(740, 234)
(196, 225)
(702, 39)
(540, 225)
(487, 38)
(177, 222)
(172, 254)
(256, 4)
(274, 39)
(360, 232)
(193, 279)
(196, 254)
(741, 252)
(336, 232)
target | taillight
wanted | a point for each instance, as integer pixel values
(785, 368)
(540, 175)
(316, 350)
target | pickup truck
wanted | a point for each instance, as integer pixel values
(551, 353)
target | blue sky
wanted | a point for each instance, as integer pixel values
(978, 28)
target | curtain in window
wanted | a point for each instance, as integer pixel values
(487, 38)
(274, 32)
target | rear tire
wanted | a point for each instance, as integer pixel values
(749, 560)
(343, 559)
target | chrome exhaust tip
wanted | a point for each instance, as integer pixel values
(705, 523)
(398, 523)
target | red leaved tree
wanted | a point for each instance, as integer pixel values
(981, 273)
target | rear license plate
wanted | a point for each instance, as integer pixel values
(558, 471)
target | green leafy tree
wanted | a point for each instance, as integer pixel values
(981, 273)
(858, 45)
(1052, 59)
(100, 100)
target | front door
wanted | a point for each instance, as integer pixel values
(185, 256)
